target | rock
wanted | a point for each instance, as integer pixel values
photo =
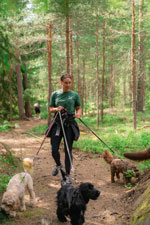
(17, 126)
(142, 209)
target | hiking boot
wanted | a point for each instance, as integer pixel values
(56, 170)
(68, 180)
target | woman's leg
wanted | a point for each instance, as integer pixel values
(70, 137)
(55, 142)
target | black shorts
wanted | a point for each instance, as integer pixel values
(37, 110)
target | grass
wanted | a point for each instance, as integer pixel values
(38, 130)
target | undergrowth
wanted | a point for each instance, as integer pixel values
(4, 126)
(9, 164)
(4, 179)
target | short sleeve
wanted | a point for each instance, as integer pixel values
(78, 101)
(52, 100)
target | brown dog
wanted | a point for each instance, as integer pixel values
(118, 166)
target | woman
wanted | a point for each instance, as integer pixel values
(68, 103)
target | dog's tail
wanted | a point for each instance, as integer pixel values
(107, 156)
(143, 155)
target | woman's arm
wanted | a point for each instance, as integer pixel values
(55, 109)
(78, 112)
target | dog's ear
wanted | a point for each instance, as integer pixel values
(84, 190)
(86, 187)
(6, 199)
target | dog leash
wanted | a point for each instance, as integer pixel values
(48, 130)
(66, 141)
(97, 136)
(45, 136)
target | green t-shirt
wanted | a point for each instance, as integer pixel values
(69, 100)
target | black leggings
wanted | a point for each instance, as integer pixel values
(55, 143)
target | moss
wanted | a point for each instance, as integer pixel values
(142, 209)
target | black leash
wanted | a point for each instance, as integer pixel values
(96, 135)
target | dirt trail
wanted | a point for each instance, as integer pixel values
(109, 209)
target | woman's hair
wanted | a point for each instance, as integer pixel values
(64, 76)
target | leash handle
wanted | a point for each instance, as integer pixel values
(45, 136)
(96, 135)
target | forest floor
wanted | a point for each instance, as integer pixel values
(114, 205)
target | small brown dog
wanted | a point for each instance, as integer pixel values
(118, 166)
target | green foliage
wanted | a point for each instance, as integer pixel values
(27, 93)
(5, 126)
(3, 182)
(8, 165)
(89, 145)
(129, 185)
(129, 173)
(144, 165)
(8, 159)
(44, 110)
(38, 130)
(145, 138)
(6, 162)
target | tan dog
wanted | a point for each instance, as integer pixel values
(13, 198)
(118, 166)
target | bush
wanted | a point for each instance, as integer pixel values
(4, 179)
(5, 126)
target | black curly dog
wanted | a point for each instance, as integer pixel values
(72, 201)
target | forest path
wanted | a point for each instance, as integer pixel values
(109, 209)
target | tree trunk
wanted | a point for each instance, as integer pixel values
(19, 88)
(111, 86)
(97, 70)
(83, 87)
(78, 66)
(140, 85)
(133, 69)
(67, 38)
(103, 73)
(71, 56)
(28, 111)
(10, 89)
(124, 91)
(49, 59)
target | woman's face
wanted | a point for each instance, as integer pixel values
(66, 84)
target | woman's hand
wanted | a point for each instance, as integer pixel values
(78, 112)
(77, 115)
(59, 108)
(56, 109)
